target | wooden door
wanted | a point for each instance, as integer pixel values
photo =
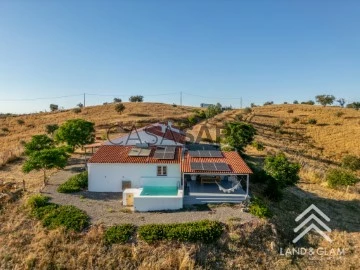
(125, 185)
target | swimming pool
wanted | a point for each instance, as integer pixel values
(159, 191)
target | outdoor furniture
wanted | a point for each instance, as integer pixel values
(209, 179)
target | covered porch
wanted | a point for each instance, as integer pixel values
(215, 188)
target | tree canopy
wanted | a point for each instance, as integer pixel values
(46, 159)
(213, 110)
(239, 134)
(282, 170)
(38, 143)
(51, 128)
(325, 99)
(76, 132)
(354, 105)
(136, 98)
(119, 107)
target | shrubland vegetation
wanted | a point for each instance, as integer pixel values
(54, 216)
(201, 231)
(74, 184)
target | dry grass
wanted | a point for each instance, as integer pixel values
(25, 244)
(103, 116)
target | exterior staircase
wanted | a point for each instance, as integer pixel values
(211, 198)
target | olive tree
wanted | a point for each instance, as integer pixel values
(76, 132)
(325, 99)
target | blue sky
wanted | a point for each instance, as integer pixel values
(219, 50)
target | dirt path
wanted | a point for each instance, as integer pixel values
(107, 207)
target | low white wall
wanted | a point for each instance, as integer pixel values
(158, 203)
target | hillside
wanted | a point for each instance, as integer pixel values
(15, 129)
(244, 245)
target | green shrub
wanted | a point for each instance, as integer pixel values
(119, 234)
(54, 216)
(67, 216)
(340, 177)
(74, 183)
(258, 145)
(37, 201)
(192, 119)
(312, 121)
(281, 122)
(41, 212)
(205, 231)
(295, 120)
(351, 162)
(258, 208)
(282, 170)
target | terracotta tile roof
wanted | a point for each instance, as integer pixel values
(236, 164)
(169, 135)
(119, 154)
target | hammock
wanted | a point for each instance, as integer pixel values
(228, 190)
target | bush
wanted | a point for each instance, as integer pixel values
(312, 121)
(258, 145)
(310, 102)
(192, 120)
(67, 216)
(339, 114)
(290, 111)
(258, 208)
(54, 216)
(77, 110)
(54, 107)
(51, 128)
(137, 98)
(295, 120)
(20, 121)
(5, 129)
(119, 107)
(37, 201)
(281, 122)
(351, 162)
(205, 231)
(340, 177)
(296, 102)
(268, 103)
(282, 170)
(247, 110)
(119, 234)
(74, 183)
(116, 100)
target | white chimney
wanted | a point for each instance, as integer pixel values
(163, 128)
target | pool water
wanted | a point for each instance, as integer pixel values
(159, 191)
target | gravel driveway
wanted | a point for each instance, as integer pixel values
(107, 208)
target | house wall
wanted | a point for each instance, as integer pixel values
(109, 177)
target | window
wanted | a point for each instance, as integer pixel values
(161, 170)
